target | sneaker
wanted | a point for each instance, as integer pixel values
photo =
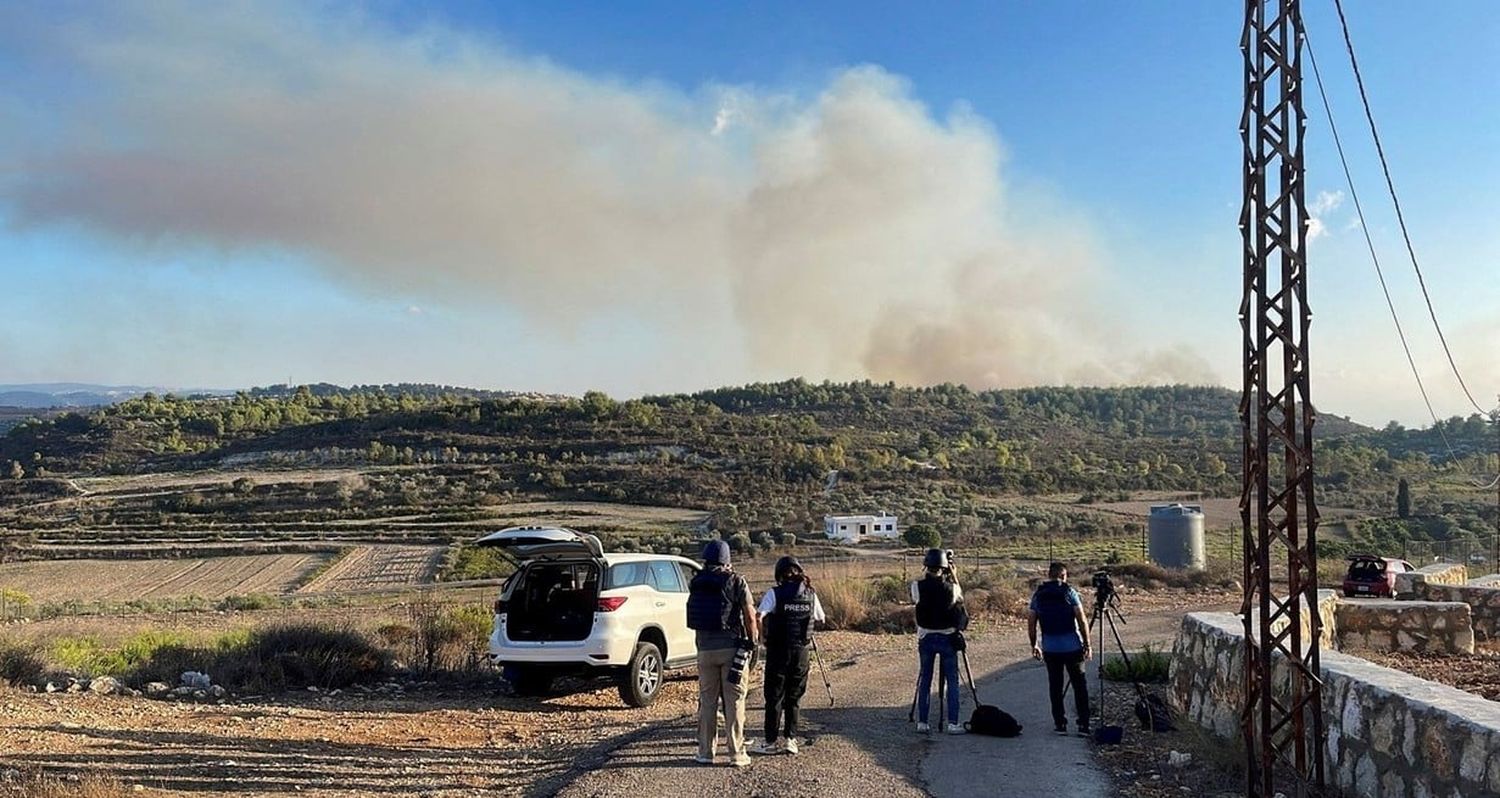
(790, 746)
(741, 761)
(954, 728)
(1083, 729)
(1061, 729)
(923, 728)
(703, 760)
(766, 747)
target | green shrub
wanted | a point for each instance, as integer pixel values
(250, 601)
(1148, 665)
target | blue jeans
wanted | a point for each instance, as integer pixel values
(933, 646)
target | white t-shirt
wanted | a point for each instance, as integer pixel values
(768, 606)
(916, 597)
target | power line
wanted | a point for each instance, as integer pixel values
(1411, 361)
(1400, 218)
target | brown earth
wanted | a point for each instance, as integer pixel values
(213, 577)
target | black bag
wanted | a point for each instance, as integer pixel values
(1153, 713)
(993, 721)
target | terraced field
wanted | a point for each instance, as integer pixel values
(373, 567)
(209, 577)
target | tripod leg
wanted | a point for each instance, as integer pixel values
(824, 671)
(973, 690)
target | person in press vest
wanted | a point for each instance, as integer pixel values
(721, 610)
(940, 618)
(787, 614)
(1064, 644)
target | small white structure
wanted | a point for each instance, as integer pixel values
(855, 528)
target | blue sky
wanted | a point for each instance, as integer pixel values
(1094, 162)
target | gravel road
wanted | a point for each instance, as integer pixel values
(865, 748)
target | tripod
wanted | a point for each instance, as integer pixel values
(1107, 610)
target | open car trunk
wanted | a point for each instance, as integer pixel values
(554, 601)
(1366, 570)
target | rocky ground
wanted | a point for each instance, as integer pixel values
(445, 740)
(1478, 673)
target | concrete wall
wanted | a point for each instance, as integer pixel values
(1443, 573)
(1484, 603)
(1387, 733)
(1430, 627)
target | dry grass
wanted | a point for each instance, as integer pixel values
(35, 784)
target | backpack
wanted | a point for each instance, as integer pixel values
(992, 721)
(1153, 713)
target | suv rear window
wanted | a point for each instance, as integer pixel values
(1366, 568)
(659, 575)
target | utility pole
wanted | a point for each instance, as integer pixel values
(1283, 731)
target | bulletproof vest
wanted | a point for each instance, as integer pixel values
(1053, 611)
(936, 608)
(711, 601)
(790, 621)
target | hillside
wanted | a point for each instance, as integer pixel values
(764, 459)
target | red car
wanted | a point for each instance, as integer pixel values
(1370, 575)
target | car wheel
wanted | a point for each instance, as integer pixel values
(531, 682)
(643, 677)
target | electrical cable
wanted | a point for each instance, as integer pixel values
(1375, 259)
(1396, 202)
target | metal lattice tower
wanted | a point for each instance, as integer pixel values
(1283, 711)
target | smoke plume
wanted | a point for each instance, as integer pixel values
(843, 232)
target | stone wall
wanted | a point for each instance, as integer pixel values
(1386, 732)
(1488, 580)
(1443, 573)
(1429, 627)
(1484, 603)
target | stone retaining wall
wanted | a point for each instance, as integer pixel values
(1443, 573)
(1488, 580)
(1430, 627)
(1386, 732)
(1484, 603)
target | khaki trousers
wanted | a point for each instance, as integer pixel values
(713, 685)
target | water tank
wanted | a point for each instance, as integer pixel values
(1176, 536)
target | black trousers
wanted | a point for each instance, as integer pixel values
(1072, 662)
(786, 681)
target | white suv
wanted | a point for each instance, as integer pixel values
(571, 609)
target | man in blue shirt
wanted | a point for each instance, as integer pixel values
(1064, 645)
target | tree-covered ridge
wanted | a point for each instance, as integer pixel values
(1027, 440)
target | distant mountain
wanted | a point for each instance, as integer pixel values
(79, 394)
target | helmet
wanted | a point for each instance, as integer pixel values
(785, 566)
(935, 558)
(716, 553)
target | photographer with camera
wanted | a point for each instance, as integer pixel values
(1064, 644)
(941, 620)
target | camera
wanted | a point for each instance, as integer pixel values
(1102, 582)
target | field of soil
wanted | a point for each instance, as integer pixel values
(211, 577)
(375, 567)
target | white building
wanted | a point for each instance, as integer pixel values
(855, 528)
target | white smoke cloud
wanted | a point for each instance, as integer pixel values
(850, 233)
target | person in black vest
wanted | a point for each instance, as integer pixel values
(721, 610)
(787, 614)
(940, 617)
(1064, 645)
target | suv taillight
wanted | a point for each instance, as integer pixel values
(611, 604)
(499, 606)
